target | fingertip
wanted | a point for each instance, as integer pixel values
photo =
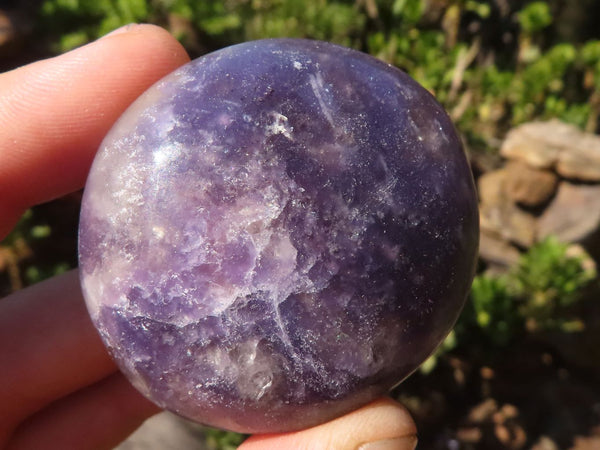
(99, 416)
(54, 113)
(153, 33)
(382, 422)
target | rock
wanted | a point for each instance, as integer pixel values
(528, 186)
(510, 222)
(277, 233)
(573, 215)
(500, 215)
(491, 188)
(582, 160)
(555, 145)
(537, 144)
(497, 251)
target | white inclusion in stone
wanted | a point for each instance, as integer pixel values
(224, 120)
(279, 125)
(164, 120)
(284, 253)
(262, 381)
(298, 65)
(418, 132)
(255, 369)
(104, 287)
(321, 92)
(430, 133)
(167, 339)
(158, 232)
(166, 153)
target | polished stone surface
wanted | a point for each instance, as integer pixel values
(277, 233)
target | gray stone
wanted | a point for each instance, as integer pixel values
(555, 145)
(490, 187)
(500, 215)
(496, 251)
(573, 215)
(511, 223)
(538, 143)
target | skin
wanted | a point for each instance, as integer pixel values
(57, 384)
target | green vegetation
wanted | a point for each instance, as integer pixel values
(222, 440)
(491, 67)
(534, 296)
(537, 295)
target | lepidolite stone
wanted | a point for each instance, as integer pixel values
(276, 234)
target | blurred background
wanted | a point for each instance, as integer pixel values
(521, 80)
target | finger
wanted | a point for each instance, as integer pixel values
(98, 417)
(381, 425)
(49, 348)
(54, 113)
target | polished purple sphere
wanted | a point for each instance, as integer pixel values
(277, 233)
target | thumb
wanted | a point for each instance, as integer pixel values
(381, 425)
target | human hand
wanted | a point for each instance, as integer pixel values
(59, 389)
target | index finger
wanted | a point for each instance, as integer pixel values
(54, 113)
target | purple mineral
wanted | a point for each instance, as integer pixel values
(277, 233)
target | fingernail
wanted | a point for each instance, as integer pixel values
(401, 443)
(120, 30)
